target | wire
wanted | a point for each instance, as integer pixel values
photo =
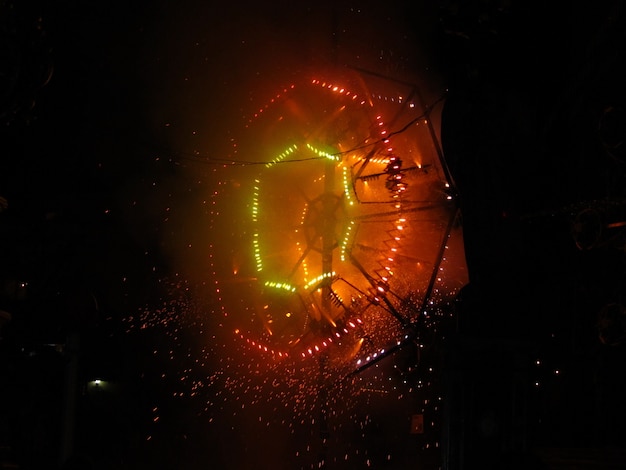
(232, 162)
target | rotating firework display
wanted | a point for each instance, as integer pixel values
(349, 215)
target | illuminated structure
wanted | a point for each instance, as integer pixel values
(349, 219)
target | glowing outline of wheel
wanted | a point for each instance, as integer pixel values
(378, 290)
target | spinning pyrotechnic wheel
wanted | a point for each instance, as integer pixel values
(348, 211)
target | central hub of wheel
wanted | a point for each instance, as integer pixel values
(322, 222)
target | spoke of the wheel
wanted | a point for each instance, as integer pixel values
(372, 282)
(328, 232)
(423, 169)
(300, 261)
(396, 212)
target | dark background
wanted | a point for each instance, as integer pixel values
(530, 129)
(533, 130)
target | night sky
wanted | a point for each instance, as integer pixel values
(132, 134)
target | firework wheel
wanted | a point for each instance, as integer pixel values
(346, 210)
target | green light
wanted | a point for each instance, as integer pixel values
(346, 186)
(257, 253)
(282, 156)
(255, 201)
(318, 279)
(345, 240)
(280, 285)
(321, 153)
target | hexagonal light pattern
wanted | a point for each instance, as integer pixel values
(349, 212)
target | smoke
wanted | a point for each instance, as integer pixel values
(206, 68)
